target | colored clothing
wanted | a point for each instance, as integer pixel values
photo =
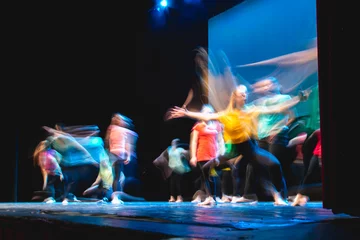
(239, 125)
(176, 161)
(121, 140)
(313, 105)
(271, 124)
(117, 140)
(73, 153)
(106, 171)
(48, 161)
(207, 145)
(317, 150)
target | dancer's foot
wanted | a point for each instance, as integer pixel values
(226, 198)
(208, 201)
(104, 200)
(196, 200)
(179, 199)
(116, 200)
(49, 200)
(300, 200)
(242, 200)
(172, 199)
(235, 199)
(219, 200)
(278, 200)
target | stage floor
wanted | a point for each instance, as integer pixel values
(164, 220)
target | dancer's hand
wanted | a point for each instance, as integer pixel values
(61, 177)
(304, 95)
(176, 112)
(127, 161)
(193, 161)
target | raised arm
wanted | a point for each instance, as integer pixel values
(178, 112)
(285, 106)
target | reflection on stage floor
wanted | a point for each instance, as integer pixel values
(164, 220)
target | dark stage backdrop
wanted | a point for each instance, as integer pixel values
(82, 67)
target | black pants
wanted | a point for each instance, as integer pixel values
(268, 168)
(175, 184)
(313, 174)
(55, 187)
(118, 167)
(282, 175)
(79, 178)
(209, 182)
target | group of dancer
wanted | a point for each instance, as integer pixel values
(252, 143)
(256, 141)
(71, 155)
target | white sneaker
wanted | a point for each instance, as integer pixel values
(49, 200)
(196, 200)
(65, 202)
(116, 201)
(219, 200)
(235, 199)
(208, 201)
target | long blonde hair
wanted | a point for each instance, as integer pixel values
(42, 146)
(231, 106)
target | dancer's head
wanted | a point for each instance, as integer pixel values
(267, 85)
(175, 142)
(121, 120)
(42, 146)
(207, 108)
(238, 97)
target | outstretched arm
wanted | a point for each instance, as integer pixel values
(178, 112)
(284, 106)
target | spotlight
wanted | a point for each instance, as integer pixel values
(163, 3)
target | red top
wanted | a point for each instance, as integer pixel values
(317, 150)
(207, 145)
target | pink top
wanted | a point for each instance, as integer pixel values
(49, 163)
(119, 138)
(317, 150)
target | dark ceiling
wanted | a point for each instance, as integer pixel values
(185, 14)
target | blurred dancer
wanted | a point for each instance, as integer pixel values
(77, 162)
(120, 142)
(272, 129)
(206, 144)
(53, 179)
(179, 166)
(312, 172)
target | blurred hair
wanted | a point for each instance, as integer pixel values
(42, 146)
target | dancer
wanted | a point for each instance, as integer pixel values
(313, 171)
(179, 166)
(206, 144)
(77, 162)
(272, 134)
(119, 141)
(53, 179)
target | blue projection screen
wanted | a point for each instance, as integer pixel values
(257, 30)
